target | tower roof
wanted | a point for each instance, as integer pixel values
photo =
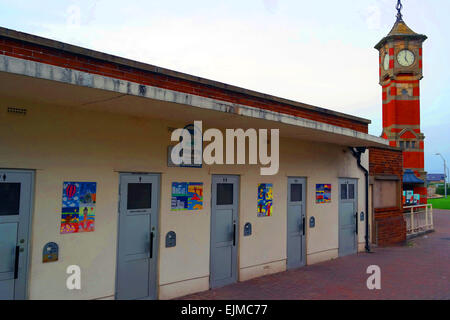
(400, 31)
(400, 28)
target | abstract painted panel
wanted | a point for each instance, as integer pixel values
(265, 200)
(323, 193)
(187, 196)
(78, 207)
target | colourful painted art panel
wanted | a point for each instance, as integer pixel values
(187, 196)
(323, 193)
(265, 200)
(78, 207)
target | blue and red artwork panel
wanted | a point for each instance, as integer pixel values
(265, 200)
(187, 196)
(323, 193)
(78, 207)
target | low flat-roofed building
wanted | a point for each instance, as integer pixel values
(86, 179)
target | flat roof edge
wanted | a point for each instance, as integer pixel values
(30, 38)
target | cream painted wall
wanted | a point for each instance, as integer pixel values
(70, 144)
(322, 163)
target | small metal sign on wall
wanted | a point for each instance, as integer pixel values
(247, 229)
(170, 163)
(312, 222)
(193, 130)
(50, 252)
(171, 239)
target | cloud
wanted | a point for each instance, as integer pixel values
(271, 5)
(273, 57)
(372, 17)
(314, 52)
(73, 13)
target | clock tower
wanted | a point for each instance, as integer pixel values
(400, 65)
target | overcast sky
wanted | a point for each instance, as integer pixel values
(317, 52)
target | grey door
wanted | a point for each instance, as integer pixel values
(224, 230)
(15, 211)
(296, 223)
(137, 254)
(348, 206)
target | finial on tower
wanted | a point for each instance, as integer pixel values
(399, 11)
(400, 30)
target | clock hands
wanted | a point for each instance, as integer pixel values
(405, 58)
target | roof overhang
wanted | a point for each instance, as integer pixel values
(30, 81)
(101, 56)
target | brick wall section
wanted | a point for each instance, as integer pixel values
(385, 162)
(61, 58)
(390, 226)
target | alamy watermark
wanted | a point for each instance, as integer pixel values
(374, 281)
(258, 145)
(73, 281)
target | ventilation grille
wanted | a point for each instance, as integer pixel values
(21, 111)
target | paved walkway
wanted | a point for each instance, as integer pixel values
(418, 270)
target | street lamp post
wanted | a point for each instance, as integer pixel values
(445, 173)
(448, 173)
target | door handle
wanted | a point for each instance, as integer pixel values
(151, 245)
(16, 263)
(234, 234)
(356, 218)
(303, 225)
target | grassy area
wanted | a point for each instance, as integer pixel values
(440, 203)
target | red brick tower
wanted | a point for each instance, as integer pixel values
(400, 74)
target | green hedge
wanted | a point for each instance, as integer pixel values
(441, 190)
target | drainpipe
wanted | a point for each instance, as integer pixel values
(357, 152)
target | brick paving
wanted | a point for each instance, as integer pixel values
(419, 269)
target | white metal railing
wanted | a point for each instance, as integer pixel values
(418, 218)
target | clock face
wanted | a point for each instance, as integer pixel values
(405, 58)
(386, 62)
